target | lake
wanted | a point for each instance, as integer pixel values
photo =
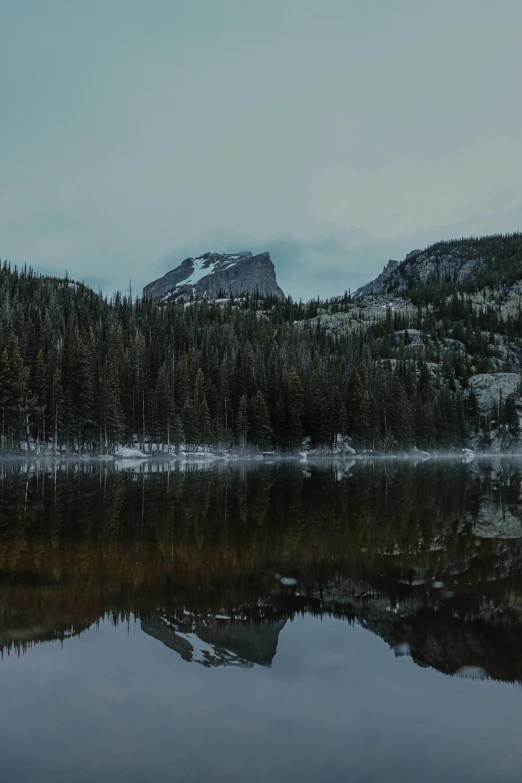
(261, 622)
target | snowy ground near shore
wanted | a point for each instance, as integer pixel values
(129, 453)
(205, 456)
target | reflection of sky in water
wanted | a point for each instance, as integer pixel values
(337, 705)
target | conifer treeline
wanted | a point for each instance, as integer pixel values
(84, 374)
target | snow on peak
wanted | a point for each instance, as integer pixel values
(217, 274)
(211, 262)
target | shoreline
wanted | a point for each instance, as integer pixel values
(211, 459)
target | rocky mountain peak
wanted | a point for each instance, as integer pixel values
(488, 260)
(212, 274)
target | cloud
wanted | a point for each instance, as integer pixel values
(223, 126)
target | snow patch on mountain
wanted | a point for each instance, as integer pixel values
(211, 274)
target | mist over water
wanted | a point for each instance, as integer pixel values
(262, 622)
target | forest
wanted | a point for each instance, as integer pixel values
(82, 373)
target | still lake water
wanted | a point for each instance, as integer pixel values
(265, 623)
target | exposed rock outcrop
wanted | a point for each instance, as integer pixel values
(456, 261)
(213, 274)
(381, 283)
(491, 388)
(419, 268)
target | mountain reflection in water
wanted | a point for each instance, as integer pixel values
(428, 556)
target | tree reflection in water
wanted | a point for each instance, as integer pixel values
(213, 563)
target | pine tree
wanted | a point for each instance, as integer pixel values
(164, 406)
(280, 423)
(296, 408)
(177, 433)
(400, 413)
(84, 396)
(40, 396)
(262, 431)
(19, 394)
(205, 426)
(511, 415)
(224, 403)
(344, 421)
(6, 396)
(357, 407)
(190, 424)
(372, 416)
(242, 421)
(56, 400)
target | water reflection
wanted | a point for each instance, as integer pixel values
(217, 641)
(213, 563)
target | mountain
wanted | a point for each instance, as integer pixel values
(434, 362)
(219, 641)
(473, 262)
(214, 274)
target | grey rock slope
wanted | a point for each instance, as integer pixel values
(454, 261)
(428, 266)
(491, 388)
(381, 283)
(213, 274)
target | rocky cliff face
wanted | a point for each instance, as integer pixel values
(381, 283)
(213, 274)
(455, 261)
(428, 266)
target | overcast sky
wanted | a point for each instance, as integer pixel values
(336, 134)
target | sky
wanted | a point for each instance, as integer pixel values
(334, 134)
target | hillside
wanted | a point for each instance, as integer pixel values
(464, 265)
(435, 365)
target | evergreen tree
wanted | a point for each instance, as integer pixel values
(296, 408)
(177, 433)
(280, 423)
(205, 425)
(262, 431)
(190, 424)
(164, 406)
(6, 396)
(242, 421)
(84, 396)
(357, 408)
(400, 413)
(511, 415)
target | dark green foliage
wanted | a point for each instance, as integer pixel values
(510, 415)
(262, 433)
(242, 421)
(83, 373)
(177, 434)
